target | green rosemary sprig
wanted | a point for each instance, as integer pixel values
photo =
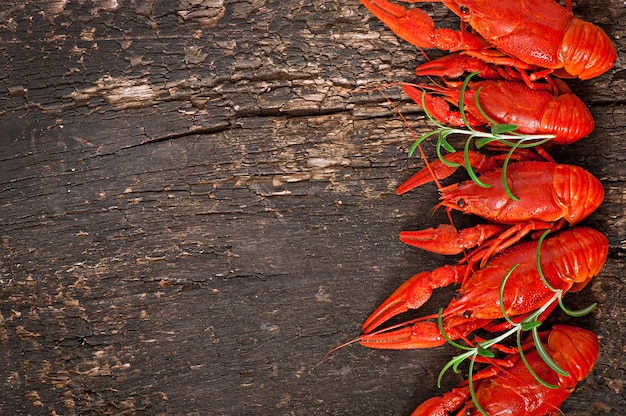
(502, 133)
(530, 323)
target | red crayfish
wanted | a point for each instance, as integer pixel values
(528, 34)
(509, 388)
(568, 260)
(550, 196)
(504, 100)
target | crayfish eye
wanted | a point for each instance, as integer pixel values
(464, 10)
(467, 314)
(461, 203)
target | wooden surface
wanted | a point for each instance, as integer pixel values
(197, 202)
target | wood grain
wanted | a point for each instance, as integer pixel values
(198, 201)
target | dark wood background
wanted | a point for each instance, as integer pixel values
(197, 202)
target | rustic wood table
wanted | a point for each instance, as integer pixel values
(198, 202)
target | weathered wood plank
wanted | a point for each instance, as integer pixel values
(197, 203)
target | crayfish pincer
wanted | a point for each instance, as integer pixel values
(569, 260)
(536, 35)
(509, 388)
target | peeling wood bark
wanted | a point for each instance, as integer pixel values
(198, 202)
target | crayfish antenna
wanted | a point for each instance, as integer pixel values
(428, 167)
(337, 348)
(428, 170)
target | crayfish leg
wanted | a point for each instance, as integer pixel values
(505, 240)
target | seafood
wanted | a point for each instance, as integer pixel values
(550, 196)
(536, 35)
(519, 49)
(505, 101)
(569, 260)
(509, 387)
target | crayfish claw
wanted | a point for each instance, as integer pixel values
(446, 240)
(439, 170)
(443, 405)
(424, 176)
(413, 25)
(418, 28)
(409, 337)
(413, 293)
(455, 65)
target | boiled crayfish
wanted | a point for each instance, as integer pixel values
(503, 100)
(569, 259)
(509, 388)
(549, 196)
(537, 35)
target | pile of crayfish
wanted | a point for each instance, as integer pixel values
(529, 249)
